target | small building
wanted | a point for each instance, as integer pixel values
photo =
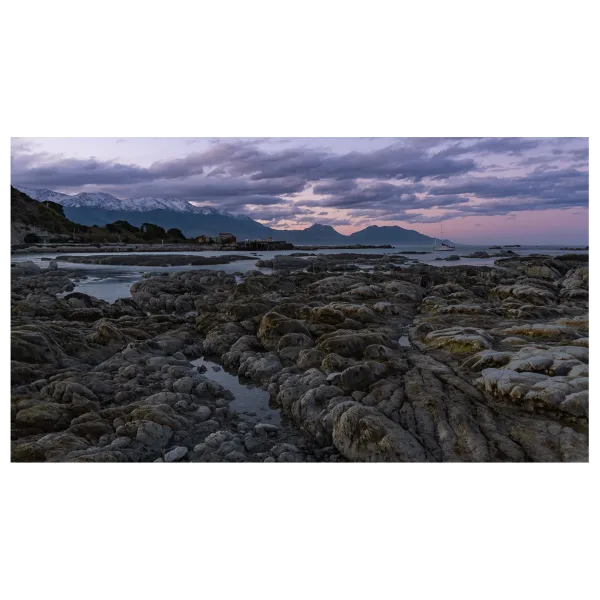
(225, 238)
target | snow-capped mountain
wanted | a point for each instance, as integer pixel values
(93, 200)
(109, 202)
(149, 203)
(43, 195)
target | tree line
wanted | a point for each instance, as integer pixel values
(125, 231)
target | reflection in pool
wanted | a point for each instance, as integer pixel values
(251, 402)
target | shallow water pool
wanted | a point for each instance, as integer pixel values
(251, 402)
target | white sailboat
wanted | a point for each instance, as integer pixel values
(443, 247)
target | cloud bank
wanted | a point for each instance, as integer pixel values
(285, 182)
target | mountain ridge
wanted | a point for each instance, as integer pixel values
(99, 208)
(109, 202)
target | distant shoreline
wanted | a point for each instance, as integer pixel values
(192, 247)
(343, 247)
(97, 248)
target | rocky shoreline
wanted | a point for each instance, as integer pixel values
(405, 362)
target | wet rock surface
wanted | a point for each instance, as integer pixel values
(401, 363)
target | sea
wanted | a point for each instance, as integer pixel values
(110, 282)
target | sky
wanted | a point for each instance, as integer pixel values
(480, 190)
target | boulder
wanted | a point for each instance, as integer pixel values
(47, 416)
(175, 454)
(274, 326)
(154, 435)
(361, 433)
(361, 376)
(460, 339)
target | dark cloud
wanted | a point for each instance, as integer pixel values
(334, 187)
(388, 197)
(252, 199)
(243, 187)
(393, 162)
(181, 178)
(482, 146)
(27, 169)
(406, 180)
(397, 161)
(512, 146)
(581, 154)
(557, 152)
(561, 188)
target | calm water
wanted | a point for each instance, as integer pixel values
(110, 282)
(251, 402)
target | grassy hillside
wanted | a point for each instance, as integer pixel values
(31, 219)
